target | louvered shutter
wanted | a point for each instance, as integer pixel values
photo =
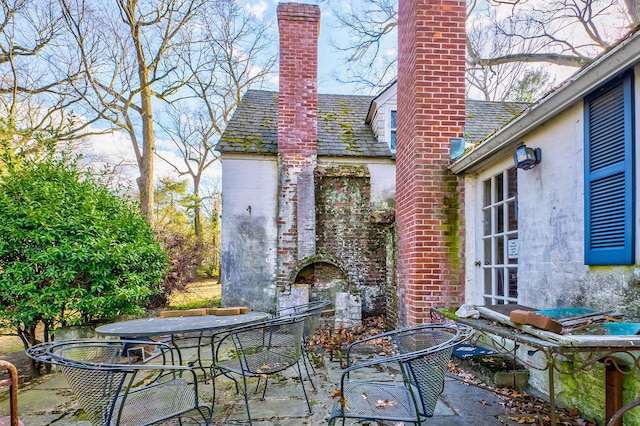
(609, 175)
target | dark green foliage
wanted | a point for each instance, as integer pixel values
(71, 251)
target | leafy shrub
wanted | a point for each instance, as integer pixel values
(71, 251)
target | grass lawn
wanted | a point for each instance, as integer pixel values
(200, 294)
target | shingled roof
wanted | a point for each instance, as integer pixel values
(484, 118)
(341, 125)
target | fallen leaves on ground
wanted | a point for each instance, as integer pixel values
(523, 407)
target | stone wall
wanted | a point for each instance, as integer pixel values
(348, 230)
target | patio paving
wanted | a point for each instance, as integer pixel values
(48, 401)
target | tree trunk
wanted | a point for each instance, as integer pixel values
(145, 182)
(197, 225)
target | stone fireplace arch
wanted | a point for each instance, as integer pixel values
(325, 275)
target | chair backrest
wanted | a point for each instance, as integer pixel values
(115, 388)
(269, 346)
(97, 389)
(432, 347)
(311, 311)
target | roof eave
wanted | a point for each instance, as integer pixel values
(619, 59)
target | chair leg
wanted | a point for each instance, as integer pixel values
(305, 352)
(246, 398)
(305, 356)
(304, 390)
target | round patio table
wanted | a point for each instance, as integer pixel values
(205, 326)
(156, 326)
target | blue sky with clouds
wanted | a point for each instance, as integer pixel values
(328, 58)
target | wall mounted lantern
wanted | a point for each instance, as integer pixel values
(526, 158)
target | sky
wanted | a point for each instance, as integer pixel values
(115, 148)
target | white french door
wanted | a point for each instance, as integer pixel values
(499, 246)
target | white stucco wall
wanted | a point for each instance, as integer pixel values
(551, 214)
(550, 202)
(249, 234)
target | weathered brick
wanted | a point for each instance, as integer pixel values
(430, 111)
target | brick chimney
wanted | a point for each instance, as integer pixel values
(429, 199)
(297, 134)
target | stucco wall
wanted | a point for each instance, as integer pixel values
(551, 269)
(249, 234)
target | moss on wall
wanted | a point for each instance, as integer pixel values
(452, 220)
(585, 389)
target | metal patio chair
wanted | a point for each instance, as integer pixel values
(260, 350)
(114, 388)
(422, 354)
(311, 312)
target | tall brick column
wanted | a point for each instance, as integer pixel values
(431, 109)
(297, 133)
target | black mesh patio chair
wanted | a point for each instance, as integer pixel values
(114, 387)
(260, 350)
(311, 312)
(422, 354)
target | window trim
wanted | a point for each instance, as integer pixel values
(390, 129)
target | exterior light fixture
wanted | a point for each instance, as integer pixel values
(526, 158)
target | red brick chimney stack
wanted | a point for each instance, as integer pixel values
(431, 110)
(297, 134)
(298, 101)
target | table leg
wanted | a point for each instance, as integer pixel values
(552, 389)
(613, 392)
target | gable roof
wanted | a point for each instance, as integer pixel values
(342, 127)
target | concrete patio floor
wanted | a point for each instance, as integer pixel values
(48, 401)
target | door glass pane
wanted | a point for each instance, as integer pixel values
(499, 186)
(488, 287)
(486, 222)
(500, 218)
(512, 249)
(486, 191)
(513, 282)
(487, 251)
(499, 257)
(512, 219)
(512, 182)
(499, 277)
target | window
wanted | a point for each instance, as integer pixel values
(609, 174)
(392, 129)
(499, 249)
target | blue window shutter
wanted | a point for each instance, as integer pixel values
(609, 175)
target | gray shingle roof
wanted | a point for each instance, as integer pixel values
(484, 118)
(341, 125)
